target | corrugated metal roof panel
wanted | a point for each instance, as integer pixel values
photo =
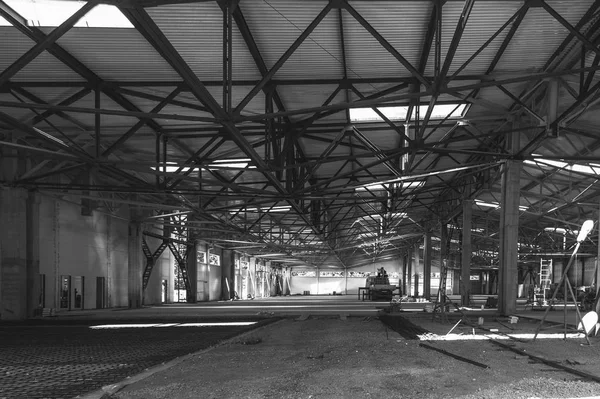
(539, 35)
(196, 31)
(42, 68)
(117, 54)
(14, 45)
(403, 24)
(307, 96)
(276, 24)
(485, 19)
(18, 113)
(319, 55)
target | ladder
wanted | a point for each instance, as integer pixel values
(545, 281)
(442, 302)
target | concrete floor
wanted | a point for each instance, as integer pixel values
(62, 356)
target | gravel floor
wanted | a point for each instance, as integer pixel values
(65, 360)
(362, 357)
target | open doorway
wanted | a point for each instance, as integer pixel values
(77, 293)
(65, 292)
(165, 292)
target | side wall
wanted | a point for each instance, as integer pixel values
(86, 247)
(320, 285)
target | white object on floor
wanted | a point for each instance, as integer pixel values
(588, 322)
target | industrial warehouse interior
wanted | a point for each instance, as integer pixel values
(299, 199)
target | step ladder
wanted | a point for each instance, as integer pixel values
(442, 302)
(545, 275)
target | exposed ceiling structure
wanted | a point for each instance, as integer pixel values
(314, 133)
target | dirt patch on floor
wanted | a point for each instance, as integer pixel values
(363, 357)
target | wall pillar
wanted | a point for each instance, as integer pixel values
(136, 263)
(19, 254)
(417, 267)
(427, 265)
(465, 270)
(405, 275)
(443, 239)
(227, 275)
(409, 263)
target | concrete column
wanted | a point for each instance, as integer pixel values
(597, 278)
(443, 238)
(227, 275)
(33, 252)
(286, 285)
(318, 278)
(136, 263)
(409, 268)
(191, 263)
(465, 270)
(19, 254)
(417, 267)
(509, 225)
(427, 265)
(405, 275)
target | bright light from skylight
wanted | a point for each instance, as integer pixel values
(240, 163)
(495, 205)
(400, 113)
(280, 208)
(441, 111)
(412, 185)
(52, 13)
(172, 167)
(590, 169)
(163, 325)
(369, 115)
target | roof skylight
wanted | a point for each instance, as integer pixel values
(240, 163)
(495, 205)
(590, 169)
(52, 13)
(400, 113)
(412, 185)
(280, 208)
(369, 115)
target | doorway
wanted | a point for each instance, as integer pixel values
(65, 292)
(165, 292)
(77, 293)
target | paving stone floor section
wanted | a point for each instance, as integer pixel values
(66, 360)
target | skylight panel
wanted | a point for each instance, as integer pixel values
(406, 185)
(280, 208)
(172, 167)
(369, 115)
(590, 169)
(495, 205)
(400, 113)
(441, 111)
(52, 13)
(241, 163)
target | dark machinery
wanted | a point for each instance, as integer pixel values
(379, 286)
